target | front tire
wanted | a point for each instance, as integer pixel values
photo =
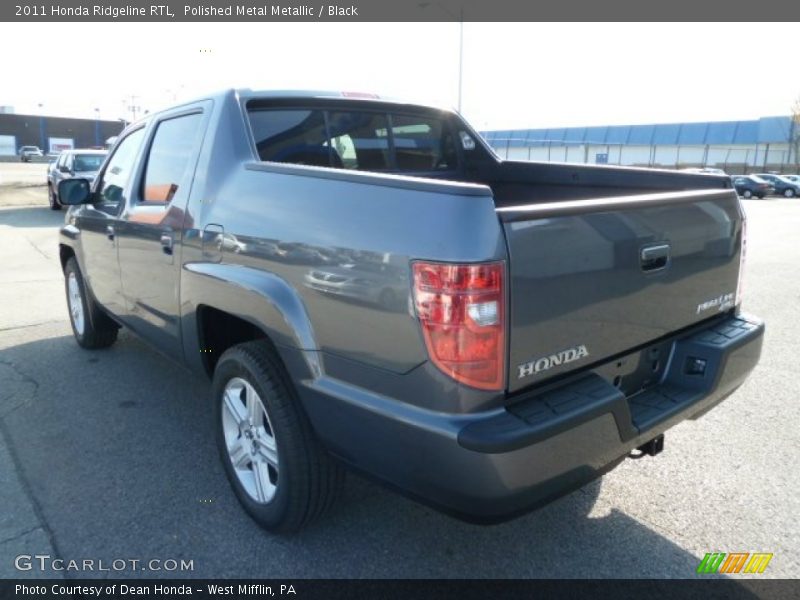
(747, 194)
(91, 327)
(52, 200)
(280, 473)
(789, 193)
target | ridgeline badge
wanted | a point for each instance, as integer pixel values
(548, 362)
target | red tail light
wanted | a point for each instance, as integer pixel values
(462, 312)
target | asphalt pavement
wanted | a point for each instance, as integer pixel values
(110, 455)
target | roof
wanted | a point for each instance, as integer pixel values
(765, 130)
(85, 151)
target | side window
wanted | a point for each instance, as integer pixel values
(62, 160)
(110, 192)
(291, 136)
(168, 163)
(359, 140)
(423, 144)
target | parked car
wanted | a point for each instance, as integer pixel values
(783, 186)
(26, 153)
(551, 319)
(72, 163)
(748, 186)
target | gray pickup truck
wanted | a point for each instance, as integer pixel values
(368, 284)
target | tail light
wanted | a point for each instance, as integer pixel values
(742, 254)
(461, 309)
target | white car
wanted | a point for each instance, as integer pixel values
(28, 152)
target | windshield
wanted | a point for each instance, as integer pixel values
(88, 162)
(757, 179)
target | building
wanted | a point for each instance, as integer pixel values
(735, 146)
(53, 134)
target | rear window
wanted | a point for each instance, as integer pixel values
(291, 136)
(359, 140)
(88, 162)
(364, 140)
(423, 144)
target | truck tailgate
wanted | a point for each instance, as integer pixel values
(590, 279)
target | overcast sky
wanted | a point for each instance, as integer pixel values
(515, 75)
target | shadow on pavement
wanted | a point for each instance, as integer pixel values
(32, 216)
(118, 448)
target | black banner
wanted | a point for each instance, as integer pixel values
(303, 589)
(394, 10)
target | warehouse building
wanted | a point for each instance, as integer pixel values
(52, 134)
(735, 146)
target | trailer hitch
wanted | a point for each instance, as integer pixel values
(651, 448)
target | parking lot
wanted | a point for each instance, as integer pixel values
(110, 455)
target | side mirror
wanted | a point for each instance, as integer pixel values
(74, 191)
(64, 169)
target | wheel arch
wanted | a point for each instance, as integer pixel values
(231, 304)
(65, 252)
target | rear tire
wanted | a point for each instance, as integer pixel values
(279, 471)
(91, 327)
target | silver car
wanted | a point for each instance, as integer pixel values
(72, 163)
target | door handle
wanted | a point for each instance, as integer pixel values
(166, 243)
(654, 258)
(110, 232)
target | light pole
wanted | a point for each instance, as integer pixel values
(42, 135)
(424, 5)
(96, 126)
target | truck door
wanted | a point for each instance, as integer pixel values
(98, 223)
(150, 231)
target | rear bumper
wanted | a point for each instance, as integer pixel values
(493, 465)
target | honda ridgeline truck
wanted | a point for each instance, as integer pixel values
(368, 284)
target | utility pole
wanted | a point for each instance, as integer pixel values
(442, 7)
(130, 103)
(460, 57)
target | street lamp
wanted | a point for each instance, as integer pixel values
(460, 17)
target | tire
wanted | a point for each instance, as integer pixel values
(261, 427)
(747, 194)
(91, 327)
(788, 193)
(52, 200)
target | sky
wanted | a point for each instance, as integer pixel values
(515, 75)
